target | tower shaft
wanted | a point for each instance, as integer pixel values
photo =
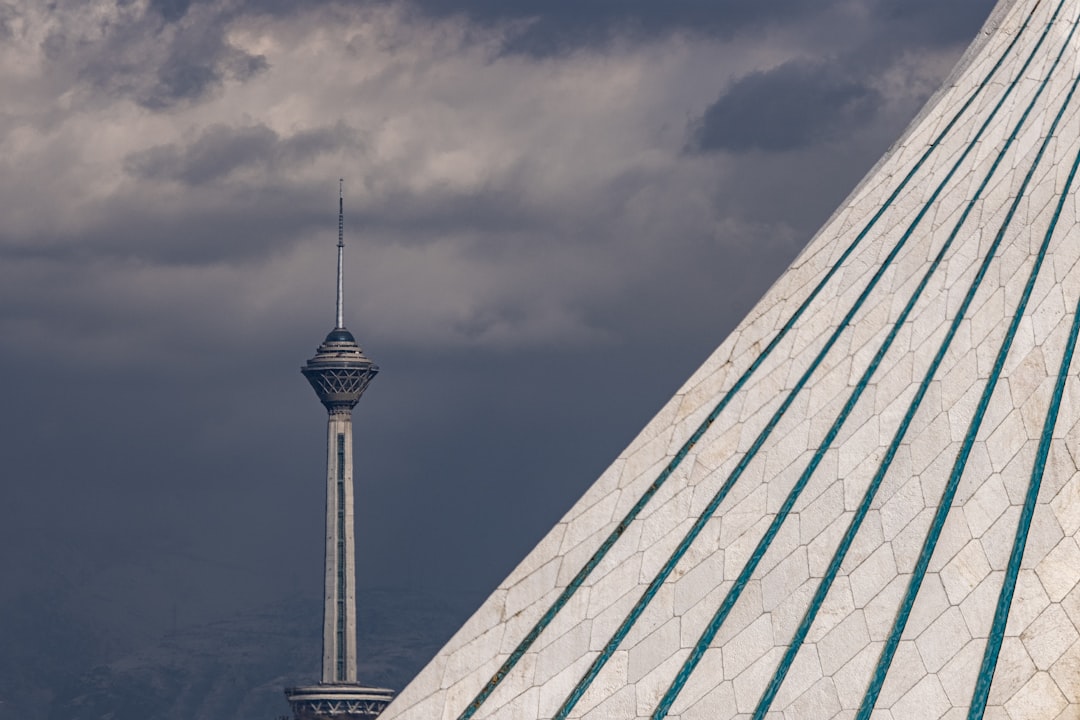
(339, 586)
(339, 373)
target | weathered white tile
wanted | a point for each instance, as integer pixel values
(905, 672)
(1014, 669)
(745, 648)
(1048, 636)
(751, 682)
(842, 643)
(872, 575)
(930, 603)
(1029, 600)
(1066, 673)
(959, 674)
(964, 572)
(926, 701)
(1059, 571)
(1038, 698)
(940, 642)
(783, 579)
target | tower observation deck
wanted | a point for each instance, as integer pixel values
(339, 373)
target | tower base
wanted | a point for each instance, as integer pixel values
(337, 702)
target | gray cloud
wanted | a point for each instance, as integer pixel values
(8, 16)
(791, 106)
(175, 53)
(171, 10)
(910, 23)
(187, 74)
(544, 28)
(220, 150)
(552, 27)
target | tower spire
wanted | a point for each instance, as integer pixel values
(339, 373)
(340, 255)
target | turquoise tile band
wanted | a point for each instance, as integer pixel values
(578, 580)
(1016, 556)
(732, 596)
(945, 504)
(605, 654)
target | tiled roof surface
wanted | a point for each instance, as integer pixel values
(866, 502)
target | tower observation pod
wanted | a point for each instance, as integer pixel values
(339, 373)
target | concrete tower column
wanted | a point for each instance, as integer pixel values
(339, 603)
(339, 373)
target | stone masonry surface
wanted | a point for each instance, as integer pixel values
(866, 503)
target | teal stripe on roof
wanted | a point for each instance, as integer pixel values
(605, 654)
(636, 510)
(1001, 612)
(942, 513)
(762, 547)
(856, 521)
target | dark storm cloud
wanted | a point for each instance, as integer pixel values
(822, 99)
(188, 73)
(221, 150)
(559, 25)
(555, 24)
(244, 230)
(176, 53)
(550, 27)
(8, 16)
(171, 10)
(562, 25)
(914, 23)
(788, 107)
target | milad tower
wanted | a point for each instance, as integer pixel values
(339, 373)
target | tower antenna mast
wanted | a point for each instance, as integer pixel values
(340, 255)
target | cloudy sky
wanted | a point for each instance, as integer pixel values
(555, 209)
